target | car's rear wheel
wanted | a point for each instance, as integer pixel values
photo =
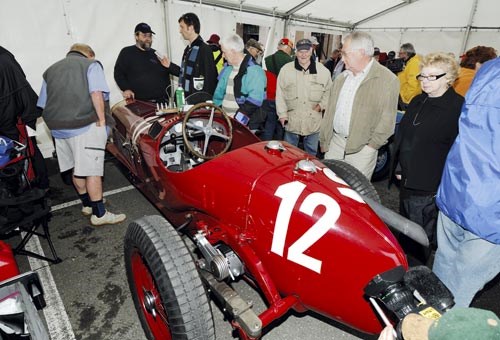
(168, 294)
(353, 177)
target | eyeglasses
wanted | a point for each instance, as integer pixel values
(431, 77)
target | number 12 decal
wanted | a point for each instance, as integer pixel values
(289, 194)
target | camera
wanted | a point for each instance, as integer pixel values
(417, 290)
(395, 65)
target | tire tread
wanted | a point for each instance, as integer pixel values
(176, 276)
(353, 177)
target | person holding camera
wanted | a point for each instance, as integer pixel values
(410, 86)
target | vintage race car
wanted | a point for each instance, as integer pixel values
(237, 208)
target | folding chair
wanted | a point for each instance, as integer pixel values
(22, 207)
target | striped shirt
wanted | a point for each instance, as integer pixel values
(229, 102)
(343, 111)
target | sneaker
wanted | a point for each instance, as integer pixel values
(86, 211)
(107, 218)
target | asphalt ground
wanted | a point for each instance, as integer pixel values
(88, 296)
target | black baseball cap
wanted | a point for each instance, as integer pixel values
(303, 44)
(143, 28)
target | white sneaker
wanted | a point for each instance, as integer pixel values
(107, 218)
(86, 211)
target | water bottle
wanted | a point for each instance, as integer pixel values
(179, 97)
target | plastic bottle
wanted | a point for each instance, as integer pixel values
(179, 97)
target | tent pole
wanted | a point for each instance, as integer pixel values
(381, 13)
(166, 12)
(469, 25)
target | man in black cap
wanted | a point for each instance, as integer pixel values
(138, 70)
(302, 94)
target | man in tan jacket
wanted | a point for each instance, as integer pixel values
(301, 96)
(362, 109)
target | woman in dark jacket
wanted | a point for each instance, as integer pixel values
(426, 133)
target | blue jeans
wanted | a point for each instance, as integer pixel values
(464, 261)
(310, 141)
(272, 127)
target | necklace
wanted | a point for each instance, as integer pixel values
(415, 123)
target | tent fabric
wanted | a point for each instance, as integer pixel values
(39, 33)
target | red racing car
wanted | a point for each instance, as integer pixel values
(237, 208)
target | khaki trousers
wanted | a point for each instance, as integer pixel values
(363, 160)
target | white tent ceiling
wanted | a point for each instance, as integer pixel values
(40, 32)
(357, 14)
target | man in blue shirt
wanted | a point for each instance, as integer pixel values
(468, 230)
(73, 95)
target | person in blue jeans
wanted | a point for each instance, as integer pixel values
(302, 95)
(468, 230)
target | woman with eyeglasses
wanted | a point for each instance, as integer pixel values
(426, 133)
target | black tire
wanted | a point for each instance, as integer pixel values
(383, 164)
(157, 260)
(353, 177)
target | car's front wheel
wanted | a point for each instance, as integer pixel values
(353, 177)
(168, 294)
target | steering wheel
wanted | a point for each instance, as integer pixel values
(209, 130)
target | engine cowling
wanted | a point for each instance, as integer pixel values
(317, 238)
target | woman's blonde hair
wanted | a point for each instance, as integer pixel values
(444, 61)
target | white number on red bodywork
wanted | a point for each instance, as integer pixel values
(289, 194)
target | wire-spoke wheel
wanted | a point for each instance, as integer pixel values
(168, 294)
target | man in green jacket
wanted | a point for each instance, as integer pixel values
(361, 113)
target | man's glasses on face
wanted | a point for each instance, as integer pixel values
(430, 77)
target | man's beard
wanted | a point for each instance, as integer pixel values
(144, 45)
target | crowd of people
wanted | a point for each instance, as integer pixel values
(446, 154)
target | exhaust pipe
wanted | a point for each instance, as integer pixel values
(399, 223)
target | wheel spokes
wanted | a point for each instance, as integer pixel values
(150, 300)
(220, 135)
